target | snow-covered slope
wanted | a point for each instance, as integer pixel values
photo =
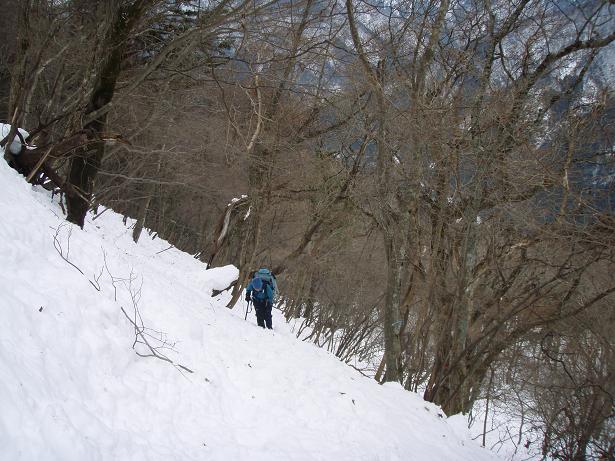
(72, 388)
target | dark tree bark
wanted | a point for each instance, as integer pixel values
(85, 165)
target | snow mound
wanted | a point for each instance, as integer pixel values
(15, 145)
(72, 387)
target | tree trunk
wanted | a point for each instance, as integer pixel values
(259, 177)
(143, 210)
(85, 165)
(392, 319)
(17, 86)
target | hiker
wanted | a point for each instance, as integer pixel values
(261, 291)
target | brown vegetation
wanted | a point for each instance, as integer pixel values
(432, 181)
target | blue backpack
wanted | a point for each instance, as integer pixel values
(266, 276)
(263, 278)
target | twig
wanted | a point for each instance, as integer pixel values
(99, 214)
(162, 251)
(143, 335)
(58, 246)
(139, 333)
(38, 164)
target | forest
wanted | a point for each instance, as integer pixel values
(432, 182)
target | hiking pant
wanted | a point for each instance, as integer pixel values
(263, 313)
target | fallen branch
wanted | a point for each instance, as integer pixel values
(162, 251)
(143, 335)
(141, 338)
(217, 292)
(65, 256)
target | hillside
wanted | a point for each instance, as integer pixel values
(72, 388)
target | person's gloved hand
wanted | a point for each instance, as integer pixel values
(248, 296)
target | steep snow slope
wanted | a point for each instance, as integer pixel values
(72, 388)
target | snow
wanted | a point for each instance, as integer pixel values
(235, 199)
(511, 432)
(72, 387)
(15, 146)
